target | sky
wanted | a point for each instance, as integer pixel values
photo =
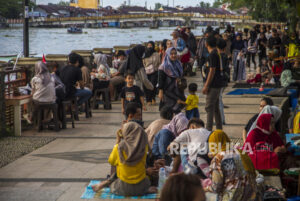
(116, 3)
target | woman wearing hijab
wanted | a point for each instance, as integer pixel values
(166, 135)
(268, 109)
(129, 158)
(162, 49)
(43, 87)
(168, 74)
(265, 131)
(102, 77)
(182, 50)
(238, 50)
(151, 62)
(232, 174)
(135, 65)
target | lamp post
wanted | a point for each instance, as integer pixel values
(26, 29)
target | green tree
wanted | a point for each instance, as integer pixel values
(202, 4)
(157, 6)
(11, 9)
(270, 10)
(217, 4)
(207, 5)
(63, 3)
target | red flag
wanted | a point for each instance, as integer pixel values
(44, 59)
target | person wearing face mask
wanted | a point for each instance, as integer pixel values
(151, 63)
(135, 66)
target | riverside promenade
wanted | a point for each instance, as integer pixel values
(63, 168)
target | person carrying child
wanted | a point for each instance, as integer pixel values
(191, 102)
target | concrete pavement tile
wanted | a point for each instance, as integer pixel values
(29, 184)
(29, 194)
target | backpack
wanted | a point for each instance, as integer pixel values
(224, 68)
(296, 123)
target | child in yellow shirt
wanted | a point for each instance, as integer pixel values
(192, 102)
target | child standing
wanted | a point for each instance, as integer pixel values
(191, 102)
(131, 93)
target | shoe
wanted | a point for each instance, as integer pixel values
(26, 117)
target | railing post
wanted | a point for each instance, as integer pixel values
(25, 29)
(2, 104)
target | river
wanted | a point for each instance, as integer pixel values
(58, 41)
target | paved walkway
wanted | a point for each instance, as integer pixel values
(61, 169)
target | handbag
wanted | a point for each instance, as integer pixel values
(149, 69)
(223, 73)
(263, 158)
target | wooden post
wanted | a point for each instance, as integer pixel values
(2, 104)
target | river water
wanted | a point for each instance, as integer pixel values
(58, 41)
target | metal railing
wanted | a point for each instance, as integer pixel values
(146, 15)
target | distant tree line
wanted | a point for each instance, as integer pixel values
(270, 10)
(13, 9)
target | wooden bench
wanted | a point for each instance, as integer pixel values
(17, 102)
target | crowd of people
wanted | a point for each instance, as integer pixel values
(199, 159)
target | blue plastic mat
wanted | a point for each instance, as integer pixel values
(249, 91)
(106, 194)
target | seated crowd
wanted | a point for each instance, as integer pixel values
(198, 160)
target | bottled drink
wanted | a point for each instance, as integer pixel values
(161, 178)
(195, 66)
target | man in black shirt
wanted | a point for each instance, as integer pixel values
(213, 85)
(275, 41)
(262, 47)
(70, 75)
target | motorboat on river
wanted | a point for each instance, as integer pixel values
(75, 30)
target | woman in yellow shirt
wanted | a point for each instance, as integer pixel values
(129, 158)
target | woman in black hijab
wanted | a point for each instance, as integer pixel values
(151, 62)
(135, 65)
